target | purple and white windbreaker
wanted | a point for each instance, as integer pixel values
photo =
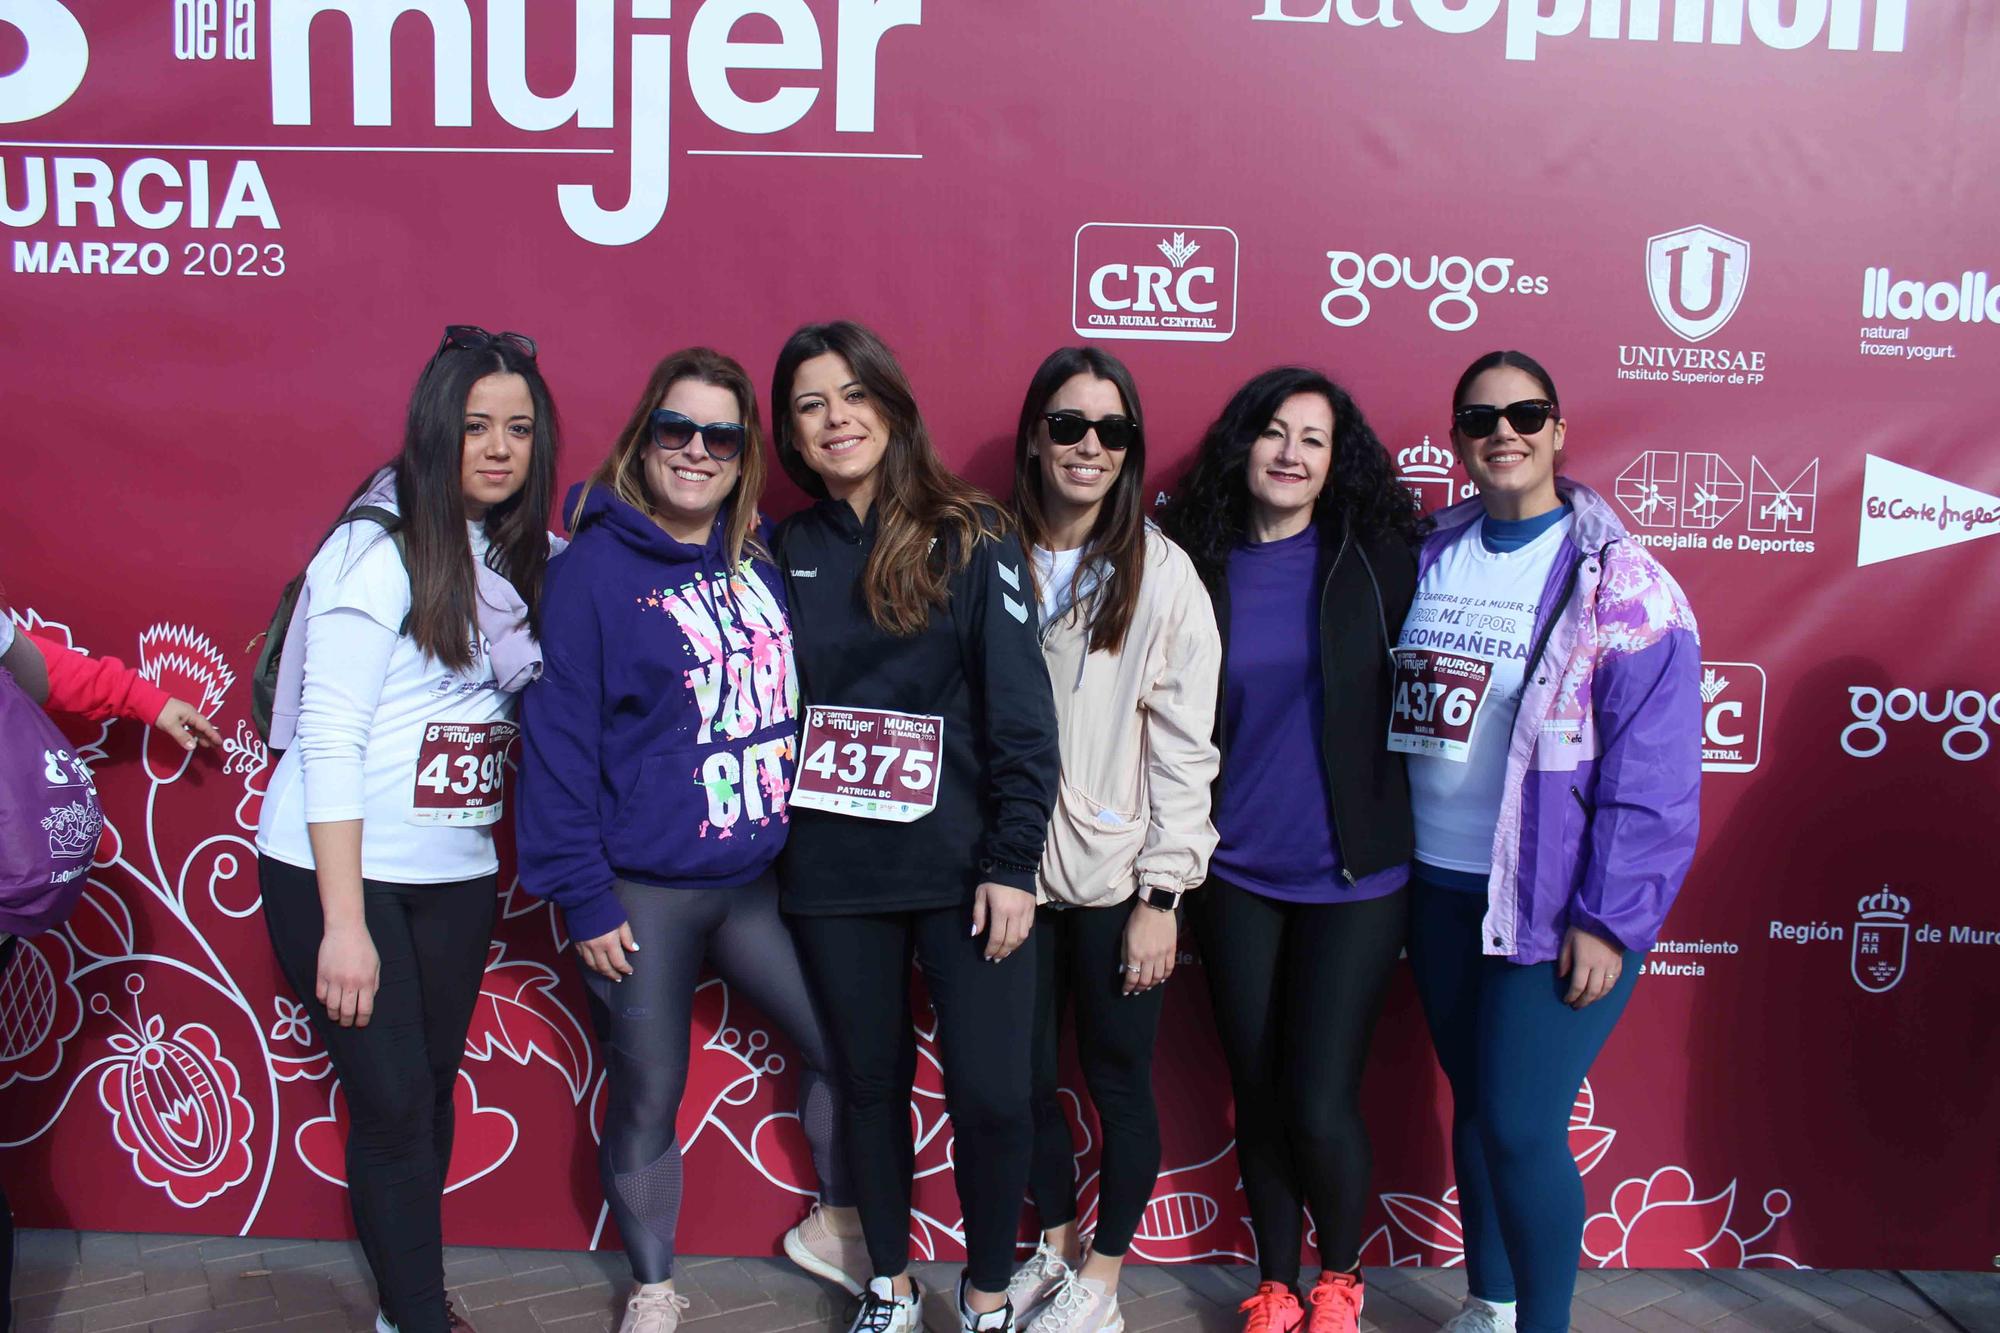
(1603, 790)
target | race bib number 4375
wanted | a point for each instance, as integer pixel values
(461, 773)
(1435, 702)
(870, 762)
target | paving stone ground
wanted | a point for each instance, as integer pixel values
(95, 1282)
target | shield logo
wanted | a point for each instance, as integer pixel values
(1881, 948)
(1696, 277)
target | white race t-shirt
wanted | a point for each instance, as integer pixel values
(1462, 662)
(372, 706)
(1053, 572)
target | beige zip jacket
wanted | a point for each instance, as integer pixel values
(1138, 748)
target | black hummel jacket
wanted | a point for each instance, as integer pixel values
(978, 665)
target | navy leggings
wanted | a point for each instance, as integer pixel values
(642, 1024)
(1516, 1056)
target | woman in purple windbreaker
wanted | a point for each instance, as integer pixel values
(1547, 699)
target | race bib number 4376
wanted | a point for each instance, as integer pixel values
(1436, 700)
(461, 773)
(870, 762)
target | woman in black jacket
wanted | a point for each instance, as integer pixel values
(921, 801)
(1306, 541)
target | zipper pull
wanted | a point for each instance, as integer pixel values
(1348, 875)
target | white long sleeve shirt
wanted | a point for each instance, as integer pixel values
(369, 701)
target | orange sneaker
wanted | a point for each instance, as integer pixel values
(1272, 1310)
(1336, 1302)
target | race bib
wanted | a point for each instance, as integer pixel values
(461, 773)
(1436, 701)
(870, 763)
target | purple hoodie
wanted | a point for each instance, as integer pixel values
(1603, 792)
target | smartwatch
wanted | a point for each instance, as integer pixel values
(1166, 900)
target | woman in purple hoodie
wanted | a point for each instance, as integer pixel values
(1547, 696)
(657, 760)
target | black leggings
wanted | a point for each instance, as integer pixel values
(859, 967)
(1077, 953)
(1297, 988)
(643, 1021)
(399, 1071)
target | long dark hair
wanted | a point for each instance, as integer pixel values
(1118, 537)
(430, 496)
(917, 498)
(1515, 360)
(1210, 509)
(624, 468)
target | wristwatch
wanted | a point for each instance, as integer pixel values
(1166, 900)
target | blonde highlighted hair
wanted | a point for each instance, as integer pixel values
(623, 470)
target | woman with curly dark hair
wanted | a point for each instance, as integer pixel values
(1306, 543)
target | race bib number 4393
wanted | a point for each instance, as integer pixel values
(461, 773)
(870, 762)
(1436, 700)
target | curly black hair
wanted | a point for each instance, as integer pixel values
(1210, 509)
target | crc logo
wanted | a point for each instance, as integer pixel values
(1425, 471)
(1171, 283)
(1967, 710)
(1696, 277)
(1453, 309)
(1732, 716)
(1697, 490)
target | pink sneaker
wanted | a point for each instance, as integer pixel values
(813, 1246)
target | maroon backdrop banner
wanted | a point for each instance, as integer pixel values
(1752, 239)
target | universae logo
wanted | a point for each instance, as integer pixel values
(1165, 282)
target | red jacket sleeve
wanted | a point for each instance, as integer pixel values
(98, 688)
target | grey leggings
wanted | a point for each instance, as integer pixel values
(642, 1024)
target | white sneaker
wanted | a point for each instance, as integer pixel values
(989, 1321)
(883, 1311)
(1036, 1280)
(654, 1307)
(382, 1324)
(1080, 1305)
(813, 1246)
(1477, 1316)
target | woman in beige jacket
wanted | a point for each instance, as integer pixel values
(1130, 639)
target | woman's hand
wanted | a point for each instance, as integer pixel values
(349, 973)
(1005, 914)
(1592, 965)
(605, 955)
(1152, 938)
(188, 725)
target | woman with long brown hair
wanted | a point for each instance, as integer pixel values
(913, 618)
(414, 633)
(657, 763)
(1132, 650)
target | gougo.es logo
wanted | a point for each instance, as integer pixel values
(1456, 278)
(1968, 711)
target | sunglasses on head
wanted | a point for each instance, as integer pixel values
(1479, 420)
(722, 439)
(1114, 433)
(472, 338)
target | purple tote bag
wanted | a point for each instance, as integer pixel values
(49, 817)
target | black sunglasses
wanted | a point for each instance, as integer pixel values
(722, 439)
(1114, 433)
(472, 338)
(1480, 420)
